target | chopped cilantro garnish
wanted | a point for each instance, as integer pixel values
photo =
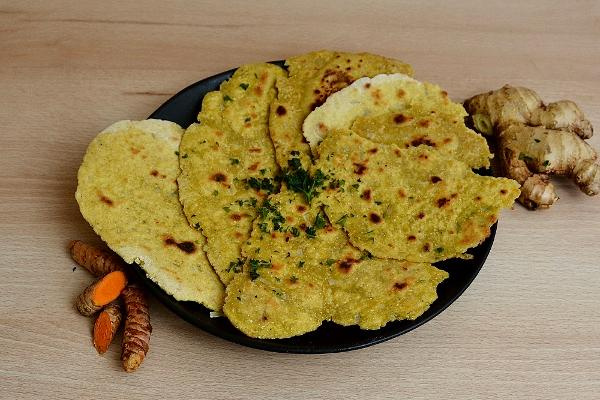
(320, 221)
(184, 156)
(236, 266)
(277, 221)
(234, 161)
(311, 232)
(227, 98)
(378, 202)
(295, 231)
(244, 86)
(300, 264)
(226, 209)
(255, 265)
(537, 140)
(546, 163)
(295, 153)
(263, 171)
(366, 255)
(439, 249)
(197, 225)
(269, 209)
(293, 279)
(263, 227)
(176, 153)
(355, 186)
(215, 193)
(299, 180)
(247, 119)
(265, 184)
(329, 262)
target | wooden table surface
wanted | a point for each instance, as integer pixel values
(528, 327)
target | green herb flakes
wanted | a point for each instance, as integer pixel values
(265, 184)
(299, 180)
(320, 221)
(255, 265)
(236, 266)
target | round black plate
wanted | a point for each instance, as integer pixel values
(329, 338)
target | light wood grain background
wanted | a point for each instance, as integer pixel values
(528, 327)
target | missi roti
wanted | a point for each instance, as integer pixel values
(397, 109)
(228, 164)
(312, 78)
(408, 204)
(300, 271)
(127, 192)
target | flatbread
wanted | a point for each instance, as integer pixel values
(377, 291)
(300, 271)
(228, 164)
(408, 204)
(396, 109)
(312, 78)
(127, 192)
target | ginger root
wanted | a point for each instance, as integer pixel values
(136, 336)
(536, 140)
(98, 262)
(101, 292)
(106, 326)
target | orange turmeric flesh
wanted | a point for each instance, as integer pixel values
(106, 326)
(101, 292)
(109, 288)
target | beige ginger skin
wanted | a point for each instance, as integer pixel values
(536, 140)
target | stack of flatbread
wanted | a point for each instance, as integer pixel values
(319, 192)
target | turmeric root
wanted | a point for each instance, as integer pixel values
(536, 140)
(136, 336)
(101, 292)
(106, 326)
(98, 262)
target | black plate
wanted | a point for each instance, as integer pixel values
(329, 338)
